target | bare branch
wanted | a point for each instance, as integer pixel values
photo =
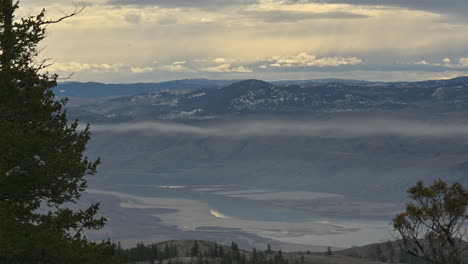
(66, 78)
(75, 12)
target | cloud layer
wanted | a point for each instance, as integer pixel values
(304, 60)
(182, 3)
(120, 40)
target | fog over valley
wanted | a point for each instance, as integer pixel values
(274, 170)
(337, 128)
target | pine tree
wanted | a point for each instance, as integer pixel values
(221, 251)
(195, 249)
(254, 256)
(268, 251)
(215, 251)
(167, 251)
(42, 165)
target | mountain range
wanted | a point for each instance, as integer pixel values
(187, 100)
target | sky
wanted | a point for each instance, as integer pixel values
(125, 41)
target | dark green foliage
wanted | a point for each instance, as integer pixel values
(268, 251)
(144, 252)
(42, 166)
(236, 256)
(195, 249)
(214, 254)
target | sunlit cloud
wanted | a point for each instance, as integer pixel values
(79, 67)
(227, 68)
(176, 66)
(141, 70)
(447, 62)
(221, 60)
(304, 59)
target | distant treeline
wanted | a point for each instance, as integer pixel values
(144, 252)
(200, 253)
(215, 253)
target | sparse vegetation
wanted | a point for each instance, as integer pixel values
(433, 226)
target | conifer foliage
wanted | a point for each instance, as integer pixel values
(42, 166)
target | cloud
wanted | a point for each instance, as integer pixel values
(446, 63)
(223, 60)
(79, 67)
(391, 39)
(346, 128)
(141, 70)
(274, 16)
(464, 62)
(96, 68)
(304, 59)
(457, 7)
(168, 20)
(176, 66)
(84, 3)
(182, 3)
(133, 18)
(226, 68)
(218, 60)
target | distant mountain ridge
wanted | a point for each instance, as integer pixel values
(100, 90)
(257, 97)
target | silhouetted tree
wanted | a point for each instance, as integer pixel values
(268, 251)
(42, 166)
(433, 225)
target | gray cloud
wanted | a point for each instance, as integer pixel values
(294, 16)
(182, 3)
(133, 19)
(83, 3)
(168, 21)
(328, 129)
(457, 7)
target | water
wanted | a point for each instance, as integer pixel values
(257, 211)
